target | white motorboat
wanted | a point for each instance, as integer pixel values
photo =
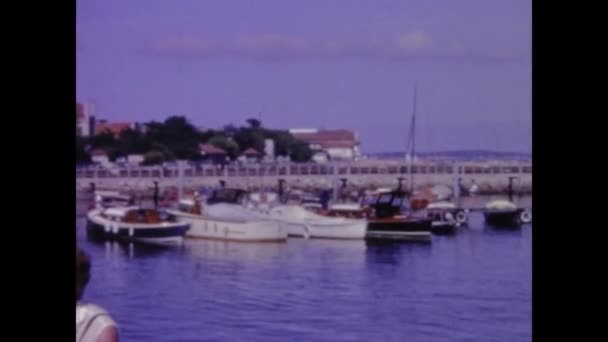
(297, 221)
(227, 221)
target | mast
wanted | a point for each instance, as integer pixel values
(412, 140)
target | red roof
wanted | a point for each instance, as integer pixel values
(210, 149)
(114, 127)
(329, 138)
(251, 152)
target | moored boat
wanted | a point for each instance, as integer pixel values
(135, 224)
(298, 221)
(505, 214)
(388, 221)
(447, 217)
(227, 221)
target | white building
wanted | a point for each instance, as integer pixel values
(84, 118)
(329, 144)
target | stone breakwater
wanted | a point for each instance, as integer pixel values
(490, 177)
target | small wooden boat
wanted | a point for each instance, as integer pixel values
(135, 224)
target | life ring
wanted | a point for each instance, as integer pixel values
(461, 217)
(526, 216)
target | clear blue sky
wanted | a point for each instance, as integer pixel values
(316, 63)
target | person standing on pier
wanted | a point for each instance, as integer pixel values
(93, 323)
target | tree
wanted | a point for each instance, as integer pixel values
(178, 135)
(300, 152)
(132, 142)
(249, 138)
(254, 123)
(108, 143)
(82, 155)
(226, 144)
(153, 158)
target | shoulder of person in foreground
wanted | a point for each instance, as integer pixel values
(95, 324)
(108, 334)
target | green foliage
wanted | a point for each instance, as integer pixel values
(225, 143)
(176, 138)
(82, 156)
(153, 158)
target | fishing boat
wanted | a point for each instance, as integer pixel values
(390, 223)
(298, 221)
(135, 224)
(224, 217)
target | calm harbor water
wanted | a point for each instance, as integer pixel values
(474, 286)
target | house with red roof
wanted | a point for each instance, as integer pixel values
(213, 153)
(251, 155)
(329, 144)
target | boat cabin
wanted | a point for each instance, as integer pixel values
(190, 206)
(389, 204)
(228, 195)
(136, 215)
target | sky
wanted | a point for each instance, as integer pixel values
(332, 64)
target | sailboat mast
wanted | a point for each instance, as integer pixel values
(412, 153)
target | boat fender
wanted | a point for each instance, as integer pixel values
(107, 228)
(526, 216)
(131, 231)
(461, 216)
(115, 229)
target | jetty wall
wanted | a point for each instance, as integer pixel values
(491, 177)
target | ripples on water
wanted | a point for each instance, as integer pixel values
(475, 286)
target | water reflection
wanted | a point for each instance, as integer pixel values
(393, 253)
(130, 250)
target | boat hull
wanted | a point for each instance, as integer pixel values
(232, 230)
(163, 234)
(443, 228)
(503, 218)
(399, 229)
(346, 230)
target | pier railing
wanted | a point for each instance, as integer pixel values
(306, 169)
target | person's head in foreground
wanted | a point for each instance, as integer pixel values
(92, 322)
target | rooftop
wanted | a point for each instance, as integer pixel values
(210, 149)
